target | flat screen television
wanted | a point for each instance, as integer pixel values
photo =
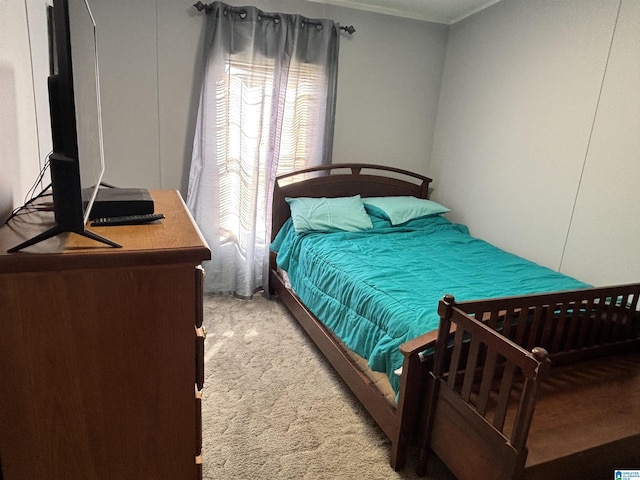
(77, 160)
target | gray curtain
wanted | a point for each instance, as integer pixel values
(265, 74)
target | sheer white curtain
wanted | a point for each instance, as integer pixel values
(267, 107)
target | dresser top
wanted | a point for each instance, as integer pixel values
(174, 239)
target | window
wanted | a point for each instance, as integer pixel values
(244, 107)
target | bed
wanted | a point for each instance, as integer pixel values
(540, 386)
(353, 320)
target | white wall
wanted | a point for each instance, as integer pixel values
(150, 56)
(388, 90)
(150, 63)
(128, 55)
(604, 239)
(520, 116)
(535, 148)
(22, 149)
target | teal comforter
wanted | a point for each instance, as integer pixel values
(379, 288)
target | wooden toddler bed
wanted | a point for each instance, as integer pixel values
(401, 411)
(572, 357)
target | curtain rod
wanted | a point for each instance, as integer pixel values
(207, 8)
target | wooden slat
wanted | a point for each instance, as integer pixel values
(547, 326)
(523, 325)
(574, 323)
(585, 324)
(634, 303)
(455, 357)
(619, 326)
(493, 318)
(504, 394)
(522, 422)
(488, 374)
(468, 443)
(472, 359)
(605, 333)
(596, 324)
(508, 322)
(561, 325)
(540, 313)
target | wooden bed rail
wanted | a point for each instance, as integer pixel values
(476, 376)
(607, 320)
(571, 326)
(490, 357)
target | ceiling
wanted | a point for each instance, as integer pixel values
(438, 11)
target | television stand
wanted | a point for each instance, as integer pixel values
(103, 351)
(57, 230)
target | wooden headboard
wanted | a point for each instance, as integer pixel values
(344, 180)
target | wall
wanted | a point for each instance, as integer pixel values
(535, 148)
(535, 118)
(150, 54)
(605, 227)
(22, 149)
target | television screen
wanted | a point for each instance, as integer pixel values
(86, 89)
(77, 160)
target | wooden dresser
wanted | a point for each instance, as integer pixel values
(102, 350)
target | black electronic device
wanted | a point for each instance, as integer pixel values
(127, 220)
(77, 160)
(118, 202)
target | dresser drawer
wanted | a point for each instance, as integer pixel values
(198, 475)
(200, 336)
(199, 303)
(198, 400)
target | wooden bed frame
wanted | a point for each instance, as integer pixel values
(493, 370)
(398, 421)
(408, 420)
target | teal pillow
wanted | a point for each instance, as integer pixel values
(328, 214)
(400, 210)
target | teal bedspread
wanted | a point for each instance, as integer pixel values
(379, 288)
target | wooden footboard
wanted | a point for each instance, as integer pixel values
(468, 424)
(484, 385)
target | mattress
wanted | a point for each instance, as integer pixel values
(378, 288)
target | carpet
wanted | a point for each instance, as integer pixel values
(273, 408)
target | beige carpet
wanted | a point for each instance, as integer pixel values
(274, 409)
